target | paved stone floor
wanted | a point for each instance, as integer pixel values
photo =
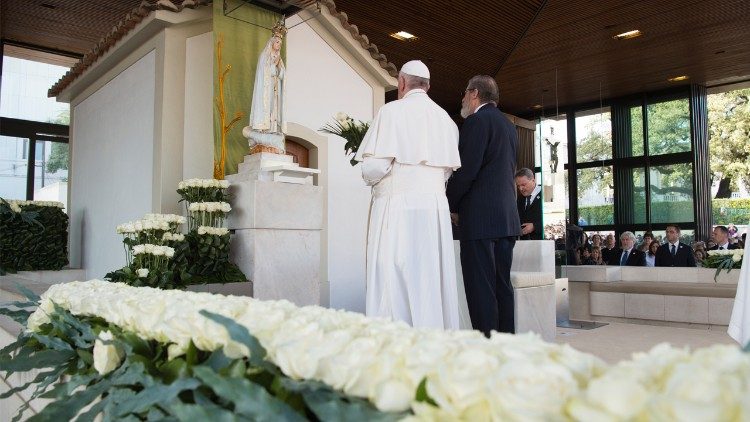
(618, 341)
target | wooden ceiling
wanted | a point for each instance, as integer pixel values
(563, 47)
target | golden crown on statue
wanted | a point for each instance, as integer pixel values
(279, 30)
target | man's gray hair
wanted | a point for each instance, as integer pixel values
(525, 172)
(486, 87)
(413, 82)
(627, 235)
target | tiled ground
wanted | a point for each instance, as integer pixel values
(618, 341)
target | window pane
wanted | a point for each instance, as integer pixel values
(24, 94)
(593, 135)
(686, 236)
(595, 196)
(672, 193)
(668, 127)
(636, 131)
(14, 153)
(638, 185)
(51, 172)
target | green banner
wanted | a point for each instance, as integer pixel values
(240, 34)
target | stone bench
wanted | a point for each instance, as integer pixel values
(533, 279)
(664, 296)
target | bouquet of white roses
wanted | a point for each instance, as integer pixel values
(723, 260)
(353, 131)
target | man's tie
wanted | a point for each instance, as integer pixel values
(528, 202)
(624, 258)
(674, 250)
(721, 248)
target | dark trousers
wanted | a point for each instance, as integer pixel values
(486, 268)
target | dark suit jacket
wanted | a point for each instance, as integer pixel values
(716, 248)
(483, 189)
(607, 253)
(683, 258)
(635, 259)
(533, 214)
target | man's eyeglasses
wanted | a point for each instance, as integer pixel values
(467, 90)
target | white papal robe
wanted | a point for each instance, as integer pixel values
(739, 324)
(407, 155)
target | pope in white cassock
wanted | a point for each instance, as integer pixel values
(407, 155)
(739, 325)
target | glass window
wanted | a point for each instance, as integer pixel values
(637, 182)
(596, 205)
(13, 167)
(51, 172)
(24, 94)
(593, 135)
(668, 127)
(672, 193)
(686, 236)
(636, 131)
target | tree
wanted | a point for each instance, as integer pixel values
(729, 139)
(668, 127)
(59, 157)
(595, 145)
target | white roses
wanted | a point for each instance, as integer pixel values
(469, 377)
(154, 250)
(142, 272)
(107, 357)
(210, 207)
(16, 204)
(214, 231)
(203, 183)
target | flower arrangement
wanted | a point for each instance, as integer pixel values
(33, 236)
(352, 131)
(724, 260)
(184, 352)
(198, 257)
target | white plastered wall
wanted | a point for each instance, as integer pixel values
(129, 119)
(111, 174)
(322, 79)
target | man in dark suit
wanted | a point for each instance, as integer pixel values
(721, 238)
(629, 255)
(674, 253)
(608, 248)
(529, 204)
(481, 193)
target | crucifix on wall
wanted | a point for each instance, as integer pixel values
(552, 150)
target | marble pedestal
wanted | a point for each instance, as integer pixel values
(277, 218)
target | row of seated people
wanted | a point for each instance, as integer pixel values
(652, 253)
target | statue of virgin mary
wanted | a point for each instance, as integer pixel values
(266, 110)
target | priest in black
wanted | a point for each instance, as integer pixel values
(674, 253)
(628, 255)
(529, 204)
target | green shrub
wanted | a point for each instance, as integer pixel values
(32, 237)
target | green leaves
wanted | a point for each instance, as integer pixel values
(330, 405)
(241, 335)
(249, 399)
(34, 239)
(148, 386)
(352, 131)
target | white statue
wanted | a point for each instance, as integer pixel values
(266, 110)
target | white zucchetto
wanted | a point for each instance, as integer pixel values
(416, 68)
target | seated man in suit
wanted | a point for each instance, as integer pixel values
(674, 253)
(721, 238)
(629, 255)
(529, 204)
(608, 248)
